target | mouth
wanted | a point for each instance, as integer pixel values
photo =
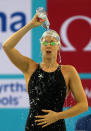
(48, 52)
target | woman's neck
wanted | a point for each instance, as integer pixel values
(49, 65)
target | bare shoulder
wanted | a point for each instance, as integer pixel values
(69, 71)
(72, 70)
(66, 72)
(68, 68)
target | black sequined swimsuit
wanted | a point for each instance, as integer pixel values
(47, 90)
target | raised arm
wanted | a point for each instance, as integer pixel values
(20, 61)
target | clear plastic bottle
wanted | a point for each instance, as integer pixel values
(42, 14)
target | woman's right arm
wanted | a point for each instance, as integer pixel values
(20, 61)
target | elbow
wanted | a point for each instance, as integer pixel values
(85, 106)
(4, 47)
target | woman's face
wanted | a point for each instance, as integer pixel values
(49, 50)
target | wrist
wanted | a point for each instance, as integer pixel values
(60, 115)
(28, 27)
(32, 25)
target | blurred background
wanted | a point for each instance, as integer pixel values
(72, 20)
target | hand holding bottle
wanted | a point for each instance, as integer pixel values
(36, 21)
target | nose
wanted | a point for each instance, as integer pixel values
(48, 47)
(49, 44)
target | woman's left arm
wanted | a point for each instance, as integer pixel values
(79, 95)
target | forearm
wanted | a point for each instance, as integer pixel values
(16, 37)
(73, 111)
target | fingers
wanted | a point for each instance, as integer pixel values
(45, 125)
(39, 19)
(39, 116)
(42, 20)
(44, 122)
(36, 15)
(36, 21)
(39, 120)
(44, 110)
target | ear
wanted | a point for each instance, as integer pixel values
(58, 47)
(41, 39)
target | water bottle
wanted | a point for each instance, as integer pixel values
(42, 15)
